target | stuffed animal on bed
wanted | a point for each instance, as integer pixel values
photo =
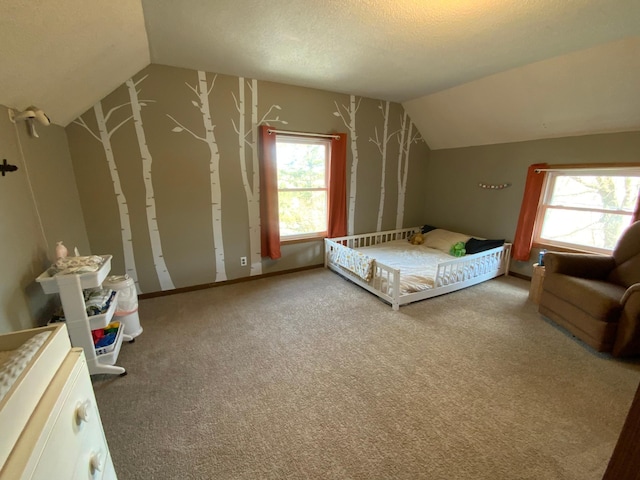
(416, 239)
(458, 249)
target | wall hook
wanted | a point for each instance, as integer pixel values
(5, 167)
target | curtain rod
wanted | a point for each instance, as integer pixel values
(582, 169)
(288, 132)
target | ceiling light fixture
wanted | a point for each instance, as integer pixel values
(29, 115)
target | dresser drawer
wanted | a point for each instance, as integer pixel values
(79, 431)
(64, 438)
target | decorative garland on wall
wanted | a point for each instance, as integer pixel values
(494, 186)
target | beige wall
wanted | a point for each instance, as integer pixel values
(173, 129)
(454, 200)
(55, 190)
(442, 185)
(26, 242)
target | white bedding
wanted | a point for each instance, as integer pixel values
(417, 263)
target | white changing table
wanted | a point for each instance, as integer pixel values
(49, 419)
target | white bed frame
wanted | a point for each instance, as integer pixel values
(385, 281)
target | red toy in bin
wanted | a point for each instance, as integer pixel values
(127, 308)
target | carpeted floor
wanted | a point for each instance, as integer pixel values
(306, 376)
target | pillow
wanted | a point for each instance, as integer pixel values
(475, 245)
(427, 228)
(458, 250)
(443, 239)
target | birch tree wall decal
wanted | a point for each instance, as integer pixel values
(202, 91)
(250, 139)
(351, 111)
(405, 142)
(382, 143)
(150, 205)
(104, 137)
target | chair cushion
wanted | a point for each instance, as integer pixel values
(598, 298)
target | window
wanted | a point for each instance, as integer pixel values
(329, 216)
(302, 164)
(586, 209)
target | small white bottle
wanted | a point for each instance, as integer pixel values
(61, 250)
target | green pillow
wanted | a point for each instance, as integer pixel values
(457, 249)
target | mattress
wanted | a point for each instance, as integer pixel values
(417, 264)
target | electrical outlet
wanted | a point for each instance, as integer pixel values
(243, 261)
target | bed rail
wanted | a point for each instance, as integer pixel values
(464, 268)
(384, 282)
(369, 239)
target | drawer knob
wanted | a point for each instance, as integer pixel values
(96, 462)
(83, 411)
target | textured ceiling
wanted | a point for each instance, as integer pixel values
(393, 50)
(63, 56)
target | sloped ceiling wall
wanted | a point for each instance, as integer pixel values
(596, 90)
(63, 56)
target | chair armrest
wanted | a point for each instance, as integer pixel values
(631, 290)
(579, 264)
(627, 341)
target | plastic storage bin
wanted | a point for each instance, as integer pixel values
(127, 308)
(110, 338)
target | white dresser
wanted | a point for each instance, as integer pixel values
(49, 421)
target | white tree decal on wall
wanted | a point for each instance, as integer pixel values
(150, 204)
(202, 91)
(405, 141)
(104, 137)
(251, 187)
(350, 112)
(382, 143)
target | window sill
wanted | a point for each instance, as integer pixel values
(556, 248)
(302, 240)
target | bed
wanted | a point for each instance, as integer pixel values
(389, 266)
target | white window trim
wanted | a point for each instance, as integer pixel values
(295, 139)
(547, 190)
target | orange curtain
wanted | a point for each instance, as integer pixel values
(337, 221)
(269, 220)
(636, 212)
(526, 221)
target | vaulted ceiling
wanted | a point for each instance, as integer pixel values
(469, 72)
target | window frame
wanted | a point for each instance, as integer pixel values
(548, 189)
(308, 140)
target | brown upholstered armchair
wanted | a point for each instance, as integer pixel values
(596, 297)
